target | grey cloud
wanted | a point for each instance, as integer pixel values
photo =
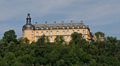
(95, 12)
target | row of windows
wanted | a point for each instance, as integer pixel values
(57, 32)
(66, 37)
(70, 27)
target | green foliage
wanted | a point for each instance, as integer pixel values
(99, 36)
(10, 36)
(76, 38)
(23, 40)
(59, 40)
(42, 41)
(79, 52)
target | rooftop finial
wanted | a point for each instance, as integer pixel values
(35, 22)
(45, 22)
(62, 22)
(81, 21)
(28, 15)
(54, 22)
(28, 19)
(71, 21)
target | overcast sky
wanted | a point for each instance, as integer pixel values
(100, 15)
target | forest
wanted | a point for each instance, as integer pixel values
(78, 52)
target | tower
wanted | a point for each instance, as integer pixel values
(28, 28)
(28, 19)
(28, 25)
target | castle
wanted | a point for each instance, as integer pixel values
(33, 31)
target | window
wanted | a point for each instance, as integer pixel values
(83, 36)
(32, 37)
(51, 33)
(42, 33)
(63, 27)
(63, 32)
(47, 33)
(67, 30)
(37, 34)
(78, 31)
(37, 37)
(51, 39)
(73, 27)
(51, 28)
(83, 26)
(84, 32)
(41, 28)
(67, 27)
(57, 33)
(32, 33)
(37, 28)
(47, 28)
(73, 31)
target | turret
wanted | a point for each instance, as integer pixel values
(28, 25)
(28, 19)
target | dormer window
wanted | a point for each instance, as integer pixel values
(83, 26)
(41, 28)
(37, 28)
(57, 27)
(47, 28)
(73, 27)
(63, 27)
(67, 27)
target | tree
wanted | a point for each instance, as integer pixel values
(99, 36)
(76, 38)
(9, 58)
(112, 45)
(10, 36)
(43, 53)
(23, 40)
(41, 41)
(59, 40)
(26, 60)
(111, 40)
